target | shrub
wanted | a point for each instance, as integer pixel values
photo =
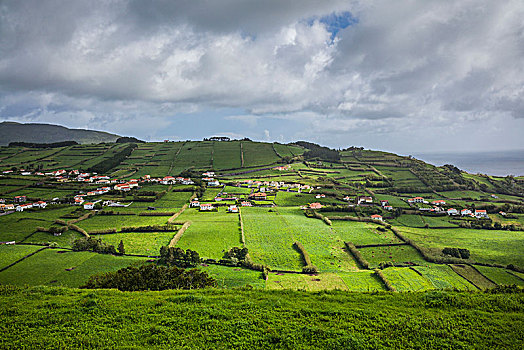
(356, 254)
(151, 277)
(178, 257)
(94, 245)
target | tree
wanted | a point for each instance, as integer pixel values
(151, 277)
(121, 249)
(178, 257)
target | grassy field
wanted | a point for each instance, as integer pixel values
(101, 222)
(395, 254)
(18, 226)
(48, 267)
(226, 155)
(12, 253)
(143, 243)
(443, 277)
(269, 240)
(173, 200)
(473, 276)
(46, 317)
(488, 246)
(210, 234)
(257, 153)
(409, 220)
(500, 276)
(234, 277)
(295, 199)
(361, 233)
(324, 281)
(404, 279)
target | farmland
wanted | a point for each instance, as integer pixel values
(271, 227)
(309, 276)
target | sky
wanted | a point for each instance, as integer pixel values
(404, 76)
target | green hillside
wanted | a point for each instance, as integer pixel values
(244, 319)
(48, 133)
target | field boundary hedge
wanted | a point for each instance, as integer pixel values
(179, 234)
(380, 245)
(242, 236)
(157, 213)
(309, 267)
(352, 250)
(78, 229)
(384, 280)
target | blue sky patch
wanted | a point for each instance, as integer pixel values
(335, 22)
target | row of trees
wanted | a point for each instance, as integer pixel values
(315, 151)
(107, 164)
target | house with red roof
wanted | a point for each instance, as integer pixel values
(452, 211)
(376, 217)
(315, 206)
(481, 214)
(206, 207)
(416, 200)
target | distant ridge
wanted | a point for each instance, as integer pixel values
(47, 133)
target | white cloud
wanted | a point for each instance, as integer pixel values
(405, 67)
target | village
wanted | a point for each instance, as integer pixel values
(250, 193)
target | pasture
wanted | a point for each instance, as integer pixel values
(487, 246)
(56, 267)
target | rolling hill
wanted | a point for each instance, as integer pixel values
(46, 133)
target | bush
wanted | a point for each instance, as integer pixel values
(94, 245)
(178, 257)
(151, 277)
(456, 252)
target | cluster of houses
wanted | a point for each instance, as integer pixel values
(267, 186)
(440, 203)
(21, 204)
(477, 213)
(195, 203)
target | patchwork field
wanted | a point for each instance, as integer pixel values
(270, 227)
(62, 268)
(487, 246)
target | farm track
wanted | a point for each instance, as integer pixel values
(179, 234)
(174, 158)
(241, 155)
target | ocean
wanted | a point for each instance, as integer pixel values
(500, 163)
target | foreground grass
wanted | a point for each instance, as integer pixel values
(46, 317)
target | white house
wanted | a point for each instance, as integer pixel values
(465, 212)
(481, 214)
(213, 183)
(194, 203)
(206, 207)
(364, 199)
(376, 217)
(89, 205)
(416, 200)
(232, 209)
(452, 211)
